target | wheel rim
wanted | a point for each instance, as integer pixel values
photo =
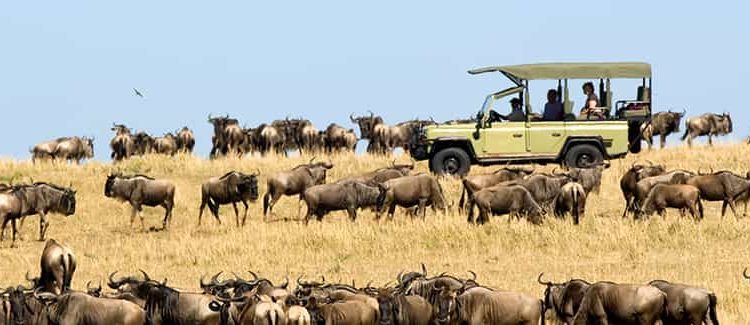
(451, 165)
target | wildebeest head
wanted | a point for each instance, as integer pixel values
(20, 305)
(120, 129)
(387, 305)
(68, 202)
(316, 314)
(131, 284)
(366, 124)
(94, 291)
(88, 147)
(318, 171)
(667, 121)
(725, 126)
(446, 305)
(403, 168)
(552, 293)
(109, 185)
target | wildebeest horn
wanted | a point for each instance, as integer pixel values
(255, 276)
(351, 117)
(424, 269)
(44, 295)
(112, 283)
(744, 274)
(311, 160)
(539, 279)
(202, 283)
(371, 113)
(473, 275)
(145, 275)
(29, 278)
(299, 280)
(257, 173)
(88, 286)
(399, 277)
(285, 284)
(215, 278)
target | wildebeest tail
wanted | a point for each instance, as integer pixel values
(66, 261)
(463, 194)
(266, 199)
(687, 130)
(712, 308)
(700, 207)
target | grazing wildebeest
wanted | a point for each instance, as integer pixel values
(572, 199)
(396, 308)
(722, 186)
(349, 196)
(612, 303)
(629, 182)
(707, 124)
(185, 140)
(166, 145)
(663, 124)
(474, 183)
(231, 188)
(39, 198)
(590, 178)
(140, 190)
(294, 181)
(564, 298)
(644, 186)
(420, 190)
(58, 264)
(71, 309)
(687, 304)
(345, 312)
(122, 143)
(678, 196)
(75, 149)
(479, 305)
(501, 199)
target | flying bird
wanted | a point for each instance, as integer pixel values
(138, 93)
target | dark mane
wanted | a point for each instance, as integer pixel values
(162, 300)
(138, 175)
(227, 174)
(54, 186)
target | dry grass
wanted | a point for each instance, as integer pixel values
(506, 255)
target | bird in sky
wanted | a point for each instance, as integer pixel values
(138, 93)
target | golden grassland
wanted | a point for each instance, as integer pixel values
(506, 255)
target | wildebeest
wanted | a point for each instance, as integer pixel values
(143, 144)
(232, 187)
(381, 175)
(67, 148)
(501, 199)
(166, 145)
(572, 199)
(481, 305)
(612, 303)
(185, 140)
(590, 178)
(349, 196)
(227, 135)
(58, 264)
(294, 181)
(708, 124)
(678, 196)
(345, 312)
(122, 143)
(687, 304)
(262, 310)
(374, 130)
(45, 150)
(73, 308)
(721, 186)
(629, 182)
(399, 309)
(474, 183)
(644, 186)
(564, 298)
(139, 191)
(38, 198)
(663, 124)
(420, 190)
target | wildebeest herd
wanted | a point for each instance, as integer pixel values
(283, 136)
(412, 298)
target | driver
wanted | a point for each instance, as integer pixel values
(516, 113)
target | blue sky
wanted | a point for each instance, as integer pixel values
(68, 68)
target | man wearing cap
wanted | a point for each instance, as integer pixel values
(516, 113)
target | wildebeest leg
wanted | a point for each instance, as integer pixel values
(132, 216)
(710, 140)
(2, 231)
(167, 215)
(627, 207)
(422, 208)
(236, 213)
(663, 140)
(352, 211)
(391, 210)
(15, 232)
(43, 225)
(244, 217)
(723, 208)
(731, 206)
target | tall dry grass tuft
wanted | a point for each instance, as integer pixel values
(506, 255)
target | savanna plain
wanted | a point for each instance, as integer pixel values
(506, 255)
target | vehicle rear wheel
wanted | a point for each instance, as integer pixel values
(450, 161)
(583, 156)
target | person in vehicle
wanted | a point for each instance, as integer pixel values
(553, 109)
(591, 110)
(516, 113)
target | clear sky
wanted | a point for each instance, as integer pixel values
(68, 67)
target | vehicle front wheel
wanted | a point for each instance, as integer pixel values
(450, 161)
(583, 156)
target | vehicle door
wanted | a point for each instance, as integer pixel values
(503, 139)
(545, 137)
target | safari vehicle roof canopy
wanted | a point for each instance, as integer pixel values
(557, 71)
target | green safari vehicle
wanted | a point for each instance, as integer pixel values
(574, 141)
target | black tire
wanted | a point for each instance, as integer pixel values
(450, 161)
(583, 156)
